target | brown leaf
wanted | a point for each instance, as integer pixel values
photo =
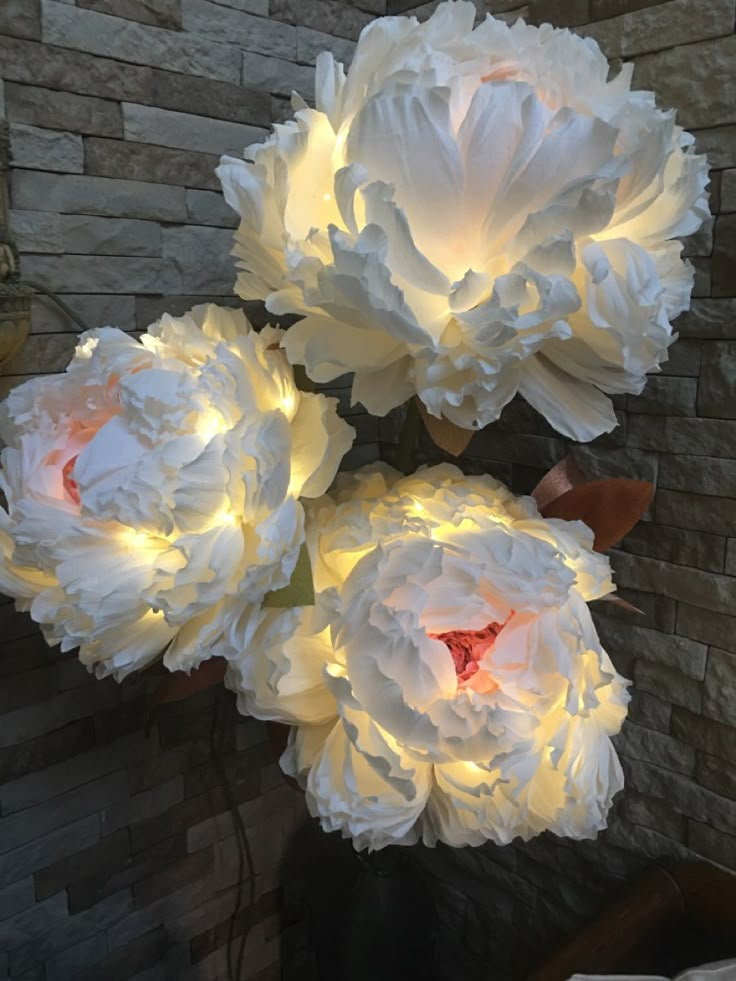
(623, 604)
(558, 481)
(610, 508)
(445, 434)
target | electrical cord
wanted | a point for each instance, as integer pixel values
(40, 288)
(218, 733)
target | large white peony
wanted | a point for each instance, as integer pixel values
(449, 684)
(152, 490)
(468, 214)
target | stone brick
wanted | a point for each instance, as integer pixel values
(277, 75)
(697, 474)
(719, 145)
(181, 130)
(640, 743)
(17, 829)
(80, 194)
(212, 20)
(633, 838)
(140, 921)
(21, 18)
(662, 26)
(677, 544)
(45, 149)
(666, 397)
(148, 309)
(700, 79)
(323, 15)
(144, 805)
(702, 282)
(700, 243)
(560, 13)
(684, 795)
(310, 43)
(78, 961)
(699, 437)
(708, 590)
(713, 319)
(177, 874)
(683, 359)
(701, 512)
(125, 962)
(719, 696)
(669, 684)
(731, 557)
(724, 256)
(92, 310)
(204, 97)
(60, 778)
(36, 231)
(175, 820)
(89, 235)
(144, 162)
(650, 711)
(20, 862)
(36, 754)
(63, 110)
(728, 191)
(520, 448)
(706, 626)
(604, 9)
(715, 845)
(712, 738)
(106, 856)
(159, 13)
(31, 924)
(658, 611)
(684, 656)
(110, 274)
(28, 688)
(717, 383)
(66, 932)
(716, 775)
(16, 897)
(647, 812)
(197, 259)
(112, 37)
(210, 208)
(259, 7)
(73, 71)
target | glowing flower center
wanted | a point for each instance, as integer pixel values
(468, 647)
(70, 484)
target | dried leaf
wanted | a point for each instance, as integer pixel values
(610, 508)
(300, 591)
(623, 604)
(558, 481)
(445, 434)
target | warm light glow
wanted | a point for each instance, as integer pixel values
(288, 403)
(136, 540)
(211, 424)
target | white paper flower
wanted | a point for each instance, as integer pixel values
(462, 693)
(152, 490)
(468, 214)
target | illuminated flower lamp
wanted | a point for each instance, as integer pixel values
(449, 685)
(153, 490)
(468, 214)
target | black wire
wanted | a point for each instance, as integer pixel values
(39, 288)
(218, 732)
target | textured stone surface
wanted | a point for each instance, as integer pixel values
(88, 235)
(98, 196)
(21, 18)
(43, 149)
(152, 164)
(110, 274)
(560, 13)
(662, 26)
(701, 512)
(112, 37)
(719, 696)
(205, 97)
(719, 144)
(697, 474)
(94, 310)
(685, 656)
(707, 590)
(604, 9)
(36, 231)
(323, 15)
(197, 259)
(210, 208)
(706, 626)
(310, 43)
(714, 319)
(63, 110)
(731, 557)
(277, 75)
(666, 397)
(724, 256)
(225, 24)
(699, 437)
(160, 13)
(700, 79)
(182, 130)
